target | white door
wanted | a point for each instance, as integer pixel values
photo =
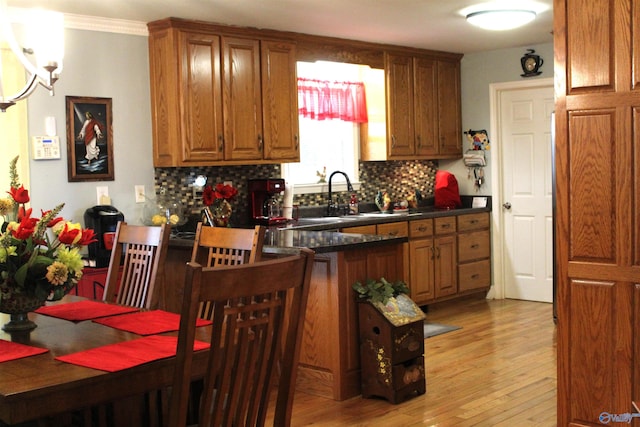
(526, 195)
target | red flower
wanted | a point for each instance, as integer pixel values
(19, 195)
(88, 236)
(226, 192)
(22, 213)
(25, 229)
(70, 234)
(208, 196)
(54, 221)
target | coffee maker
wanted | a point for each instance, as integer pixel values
(103, 220)
(264, 207)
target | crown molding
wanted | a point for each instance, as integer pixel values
(107, 25)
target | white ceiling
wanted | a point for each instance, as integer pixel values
(429, 24)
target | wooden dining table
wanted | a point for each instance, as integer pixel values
(39, 387)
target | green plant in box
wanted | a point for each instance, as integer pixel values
(380, 290)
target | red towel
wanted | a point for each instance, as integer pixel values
(127, 354)
(147, 322)
(84, 310)
(12, 350)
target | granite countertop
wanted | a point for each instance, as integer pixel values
(280, 240)
(369, 218)
(321, 233)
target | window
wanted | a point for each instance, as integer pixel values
(326, 145)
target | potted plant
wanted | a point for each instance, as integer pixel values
(390, 298)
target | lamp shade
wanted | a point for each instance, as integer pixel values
(499, 20)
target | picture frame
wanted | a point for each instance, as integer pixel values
(89, 139)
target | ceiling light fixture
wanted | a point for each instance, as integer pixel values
(499, 20)
(44, 31)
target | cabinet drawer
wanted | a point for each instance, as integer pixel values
(362, 229)
(474, 245)
(473, 221)
(445, 225)
(420, 228)
(474, 275)
(395, 229)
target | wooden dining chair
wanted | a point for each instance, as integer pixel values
(223, 246)
(217, 246)
(257, 326)
(135, 266)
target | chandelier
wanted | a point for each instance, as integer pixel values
(41, 53)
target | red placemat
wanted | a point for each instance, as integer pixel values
(84, 310)
(127, 354)
(147, 322)
(12, 350)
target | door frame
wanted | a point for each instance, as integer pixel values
(498, 244)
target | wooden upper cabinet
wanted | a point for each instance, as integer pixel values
(449, 113)
(399, 87)
(201, 113)
(219, 98)
(280, 101)
(423, 108)
(242, 99)
(425, 83)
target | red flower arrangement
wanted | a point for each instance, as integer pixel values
(39, 257)
(216, 202)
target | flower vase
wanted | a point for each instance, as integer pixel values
(18, 305)
(221, 213)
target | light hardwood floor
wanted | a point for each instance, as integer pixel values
(498, 370)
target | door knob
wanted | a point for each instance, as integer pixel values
(507, 206)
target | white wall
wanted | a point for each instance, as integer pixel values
(478, 71)
(97, 64)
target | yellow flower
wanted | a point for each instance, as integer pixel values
(6, 252)
(71, 258)
(57, 273)
(6, 205)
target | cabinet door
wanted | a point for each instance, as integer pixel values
(425, 106)
(449, 120)
(242, 99)
(201, 112)
(446, 269)
(280, 101)
(422, 274)
(400, 131)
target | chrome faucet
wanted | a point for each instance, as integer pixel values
(332, 209)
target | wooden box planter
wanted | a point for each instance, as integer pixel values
(391, 350)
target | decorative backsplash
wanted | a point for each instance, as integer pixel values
(398, 178)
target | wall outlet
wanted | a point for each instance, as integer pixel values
(139, 191)
(102, 196)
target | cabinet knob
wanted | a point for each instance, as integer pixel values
(433, 252)
(393, 141)
(419, 141)
(422, 228)
(476, 246)
(259, 141)
(220, 142)
(295, 138)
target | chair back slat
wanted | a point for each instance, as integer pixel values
(136, 264)
(223, 246)
(258, 315)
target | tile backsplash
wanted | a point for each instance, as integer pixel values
(398, 178)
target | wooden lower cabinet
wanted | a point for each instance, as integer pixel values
(445, 257)
(329, 356)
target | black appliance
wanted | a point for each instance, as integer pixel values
(103, 220)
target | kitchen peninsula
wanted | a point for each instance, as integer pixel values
(329, 358)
